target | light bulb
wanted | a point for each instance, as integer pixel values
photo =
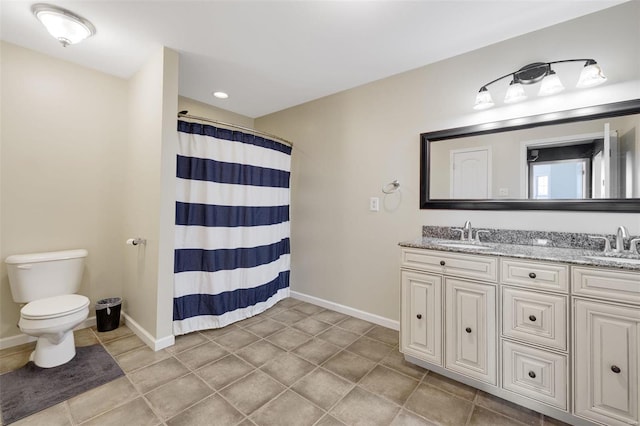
(591, 75)
(515, 93)
(483, 100)
(550, 84)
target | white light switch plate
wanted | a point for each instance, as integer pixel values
(374, 204)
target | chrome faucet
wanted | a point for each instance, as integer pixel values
(621, 235)
(468, 229)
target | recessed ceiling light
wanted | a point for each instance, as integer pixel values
(220, 95)
(64, 25)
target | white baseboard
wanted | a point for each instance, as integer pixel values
(165, 342)
(21, 339)
(156, 345)
(376, 319)
(146, 337)
(17, 340)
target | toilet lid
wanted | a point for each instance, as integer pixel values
(54, 307)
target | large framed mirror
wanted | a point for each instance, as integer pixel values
(582, 159)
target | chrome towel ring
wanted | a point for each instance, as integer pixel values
(391, 187)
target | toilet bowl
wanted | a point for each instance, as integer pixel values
(52, 321)
(46, 283)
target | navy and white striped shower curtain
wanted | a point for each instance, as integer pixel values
(232, 226)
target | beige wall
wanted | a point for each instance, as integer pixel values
(347, 146)
(167, 209)
(63, 135)
(149, 193)
(88, 160)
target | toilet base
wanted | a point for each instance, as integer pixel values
(48, 355)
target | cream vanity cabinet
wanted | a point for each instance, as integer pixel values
(561, 339)
(606, 310)
(462, 337)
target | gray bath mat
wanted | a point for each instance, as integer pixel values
(31, 389)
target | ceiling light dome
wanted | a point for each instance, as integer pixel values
(64, 25)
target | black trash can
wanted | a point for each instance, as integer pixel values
(108, 313)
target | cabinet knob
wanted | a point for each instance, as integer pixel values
(532, 374)
(419, 316)
(442, 263)
(532, 275)
(615, 369)
(468, 329)
(532, 318)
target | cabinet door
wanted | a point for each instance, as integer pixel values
(606, 362)
(421, 322)
(470, 329)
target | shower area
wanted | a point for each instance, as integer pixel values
(232, 229)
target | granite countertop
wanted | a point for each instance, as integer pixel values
(575, 256)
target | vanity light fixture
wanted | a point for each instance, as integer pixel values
(64, 25)
(590, 76)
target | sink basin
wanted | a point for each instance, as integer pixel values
(615, 259)
(464, 245)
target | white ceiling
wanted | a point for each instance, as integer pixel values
(271, 55)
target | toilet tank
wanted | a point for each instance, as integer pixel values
(39, 275)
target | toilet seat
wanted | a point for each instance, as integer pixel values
(54, 307)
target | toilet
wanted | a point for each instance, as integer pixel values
(46, 282)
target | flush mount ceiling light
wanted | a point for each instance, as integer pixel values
(590, 76)
(220, 95)
(64, 25)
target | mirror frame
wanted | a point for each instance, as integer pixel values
(569, 116)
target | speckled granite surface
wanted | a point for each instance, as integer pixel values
(561, 247)
(510, 236)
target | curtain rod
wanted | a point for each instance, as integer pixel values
(185, 114)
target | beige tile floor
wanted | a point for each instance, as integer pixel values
(296, 364)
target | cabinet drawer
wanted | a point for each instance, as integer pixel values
(535, 373)
(610, 284)
(461, 265)
(548, 276)
(534, 317)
